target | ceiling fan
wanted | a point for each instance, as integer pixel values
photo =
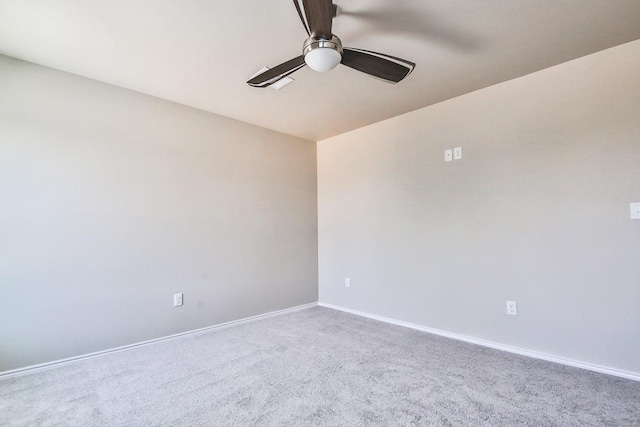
(323, 51)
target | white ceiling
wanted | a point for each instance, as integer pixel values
(201, 52)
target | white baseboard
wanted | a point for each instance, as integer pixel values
(494, 345)
(49, 365)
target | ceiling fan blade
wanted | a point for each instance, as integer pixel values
(302, 17)
(319, 15)
(385, 67)
(274, 74)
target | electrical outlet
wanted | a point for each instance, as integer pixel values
(177, 300)
(347, 282)
(457, 153)
(448, 155)
(635, 210)
(512, 308)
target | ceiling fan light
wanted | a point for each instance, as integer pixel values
(323, 59)
(322, 55)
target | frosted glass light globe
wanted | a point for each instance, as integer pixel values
(322, 59)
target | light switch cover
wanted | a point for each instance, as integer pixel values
(448, 155)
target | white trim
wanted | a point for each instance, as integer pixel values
(523, 352)
(55, 363)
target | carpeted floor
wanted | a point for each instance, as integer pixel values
(316, 367)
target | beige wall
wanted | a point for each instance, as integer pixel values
(112, 201)
(537, 211)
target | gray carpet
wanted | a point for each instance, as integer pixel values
(316, 367)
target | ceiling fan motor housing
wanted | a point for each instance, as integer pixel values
(321, 54)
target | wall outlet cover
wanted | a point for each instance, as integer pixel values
(635, 210)
(177, 300)
(512, 308)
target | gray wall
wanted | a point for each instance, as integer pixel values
(112, 201)
(537, 211)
